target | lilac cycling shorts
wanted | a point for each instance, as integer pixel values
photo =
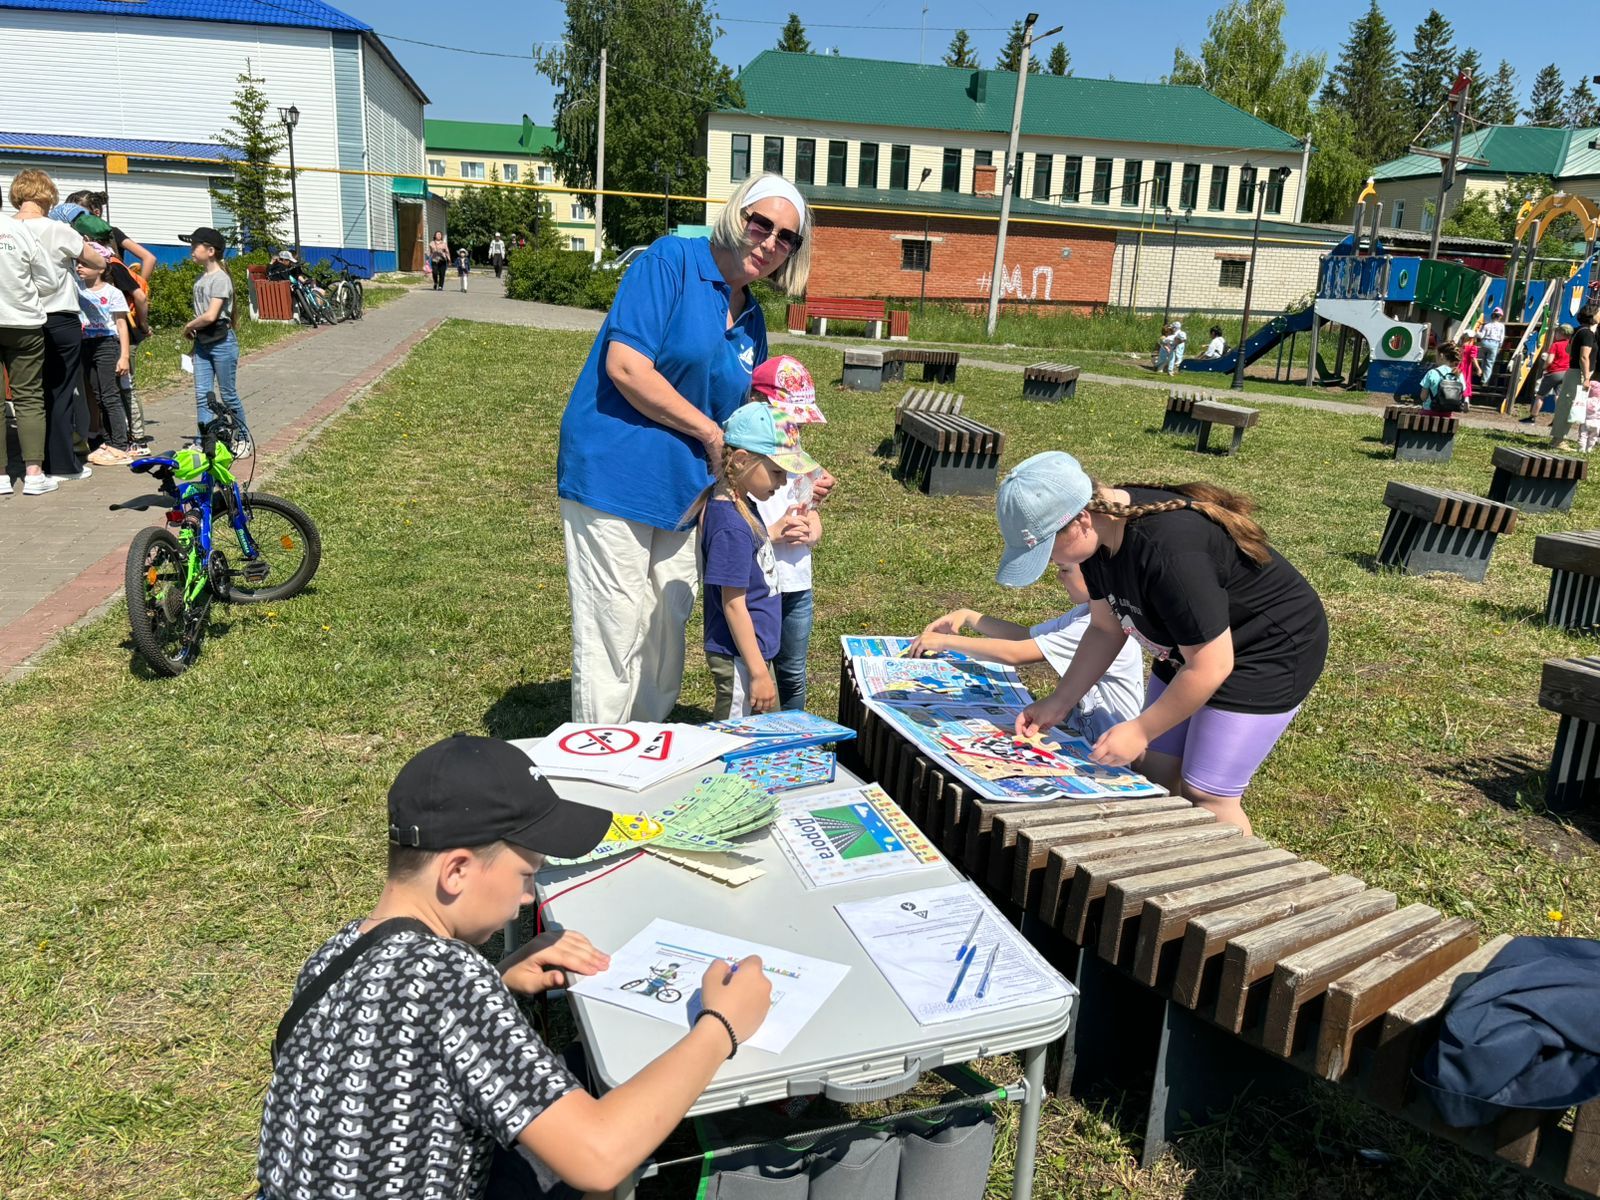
(1221, 750)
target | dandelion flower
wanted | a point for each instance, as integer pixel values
(1555, 914)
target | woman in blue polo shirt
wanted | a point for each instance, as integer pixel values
(671, 363)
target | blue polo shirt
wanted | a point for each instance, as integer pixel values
(672, 307)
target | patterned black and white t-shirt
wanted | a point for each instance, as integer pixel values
(401, 1079)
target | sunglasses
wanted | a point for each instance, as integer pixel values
(758, 229)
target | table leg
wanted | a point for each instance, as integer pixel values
(1028, 1127)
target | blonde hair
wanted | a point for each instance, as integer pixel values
(1228, 509)
(736, 493)
(728, 234)
(36, 186)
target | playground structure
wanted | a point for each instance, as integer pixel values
(1389, 310)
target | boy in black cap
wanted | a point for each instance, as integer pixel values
(216, 349)
(404, 1060)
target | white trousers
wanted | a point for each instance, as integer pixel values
(632, 588)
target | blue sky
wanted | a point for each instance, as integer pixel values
(1102, 39)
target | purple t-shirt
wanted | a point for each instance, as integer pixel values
(732, 556)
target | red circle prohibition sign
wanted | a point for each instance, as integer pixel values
(599, 741)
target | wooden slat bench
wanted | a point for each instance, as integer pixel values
(926, 400)
(1179, 416)
(816, 311)
(1573, 601)
(949, 455)
(938, 366)
(1536, 480)
(1570, 687)
(1424, 436)
(1391, 416)
(1432, 529)
(1049, 381)
(1207, 413)
(899, 325)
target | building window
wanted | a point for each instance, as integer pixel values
(916, 255)
(741, 157)
(983, 158)
(1071, 179)
(1189, 192)
(472, 170)
(576, 243)
(1275, 191)
(836, 159)
(772, 155)
(1399, 214)
(436, 167)
(950, 175)
(1162, 187)
(580, 212)
(1231, 274)
(544, 173)
(1218, 200)
(805, 160)
(1042, 168)
(509, 172)
(900, 167)
(867, 166)
(1016, 177)
(1132, 181)
(1246, 200)
(1102, 181)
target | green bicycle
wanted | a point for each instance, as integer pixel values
(175, 571)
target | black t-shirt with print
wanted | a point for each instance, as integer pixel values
(399, 1081)
(1179, 580)
(1584, 338)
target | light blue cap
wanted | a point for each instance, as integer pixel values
(1037, 497)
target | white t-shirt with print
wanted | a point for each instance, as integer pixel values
(794, 562)
(62, 244)
(26, 274)
(1117, 697)
(98, 309)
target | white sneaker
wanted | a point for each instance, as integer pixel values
(5, 483)
(38, 485)
(243, 449)
(83, 474)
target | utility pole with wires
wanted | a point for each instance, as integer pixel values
(600, 165)
(1457, 101)
(997, 276)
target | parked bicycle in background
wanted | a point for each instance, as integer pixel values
(347, 295)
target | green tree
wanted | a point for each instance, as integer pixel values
(1547, 99)
(1011, 52)
(1340, 164)
(1493, 215)
(1579, 111)
(1499, 104)
(961, 52)
(1060, 60)
(1430, 68)
(793, 38)
(1245, 61)
(1365, 84)
(256, 194)
(663, 77)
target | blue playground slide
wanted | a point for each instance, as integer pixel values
(1257, 344)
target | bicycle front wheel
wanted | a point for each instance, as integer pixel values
(339, 302)
(358, 299)
(280, 550)
(165, 633)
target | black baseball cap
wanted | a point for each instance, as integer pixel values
(205, 236)
(470, 791)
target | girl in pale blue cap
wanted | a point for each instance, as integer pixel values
(1238, 636)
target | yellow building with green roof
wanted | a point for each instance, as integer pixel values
(461, 152)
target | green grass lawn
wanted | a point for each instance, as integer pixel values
(170, 851)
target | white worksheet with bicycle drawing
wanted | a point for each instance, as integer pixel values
(658, 974)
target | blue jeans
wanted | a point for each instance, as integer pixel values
(1489, 352)
(793, 644)
(218, 364)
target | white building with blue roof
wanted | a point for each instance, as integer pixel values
(152, 82)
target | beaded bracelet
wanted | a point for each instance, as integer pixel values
(726, 1024)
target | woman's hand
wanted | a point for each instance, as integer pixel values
(1040, 717)
(1120, 745)
(711, 439)
(739, 991)
(545, 962)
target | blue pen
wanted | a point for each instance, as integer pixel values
(971, 934)
(966, 962)
(988, 967)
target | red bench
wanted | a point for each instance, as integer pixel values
(819, 308)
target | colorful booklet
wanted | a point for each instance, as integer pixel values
(771, 732)
(786, 770)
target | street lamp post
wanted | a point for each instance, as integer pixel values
(927, 246)
(1281, 173)
(1172, 264)
(291, 117)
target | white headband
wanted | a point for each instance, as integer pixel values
(769, 186)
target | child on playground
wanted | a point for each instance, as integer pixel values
(1164, 348)
(404, 1065)
(1468, 348)
(1442, 389)
(463, 265)
(1117, 697)
(1180, 345)
(1589, 432)
(790, 515)
(743, 607)
(103, 313)
(1491, 336)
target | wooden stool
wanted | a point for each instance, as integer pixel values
(1049, 381)
(1207, 413)
(1431, 529)
(949, 455)
(1424, 436)
(1180, 411)
(1574, 562)
(1536, 480)
(1391, 415)
(924, 400)
(1571, 688)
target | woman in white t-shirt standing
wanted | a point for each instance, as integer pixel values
(66, 412)
(25, 272)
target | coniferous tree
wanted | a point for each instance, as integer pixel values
(1579, 111)
(1430, 68)
(256, 195)
(793, 39)
(1546, 101)
(961, 52)
(1245, 60)
(1011, 52)
(1499, 103)
(1060, 60)
(1365, 84)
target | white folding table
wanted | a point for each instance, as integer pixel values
(863, 1044)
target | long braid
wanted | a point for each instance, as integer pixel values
(1228, 509)
(736, 494)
